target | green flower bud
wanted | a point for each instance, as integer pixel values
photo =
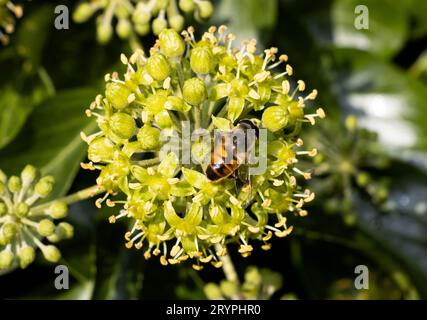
(104, 32)
(6, 259)
(65, 230)
(202, 60)
(163, 120)
(149, 137)
(122, 11)
(275, 118)
(14, 184)
(162, 4)
(3, 209)
(177, 104)
(3, 177)
(124, 28)
(101, 149)
(205, 9)
(158, 67)
(51, 253)
(212, 291)
(156, 103)
(122, 125)
(141, 15)
(83, 12)
(3, 240)
(9, 231)
(363, 179)
(351, 122)
(22, 209)
(171, 43)
(186, 5)
(2, 187)
(44, 187)
(117, 94)
(194, 91)
(142, 29)
(29, 174)
(46, 227)
(58, 210)
(176, 22)
(229, 288)
(159, 24)
(26, 256)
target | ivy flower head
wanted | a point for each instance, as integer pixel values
(139, 17)
(185, 84)
(357, 163)
(9, 12)
(24, 225)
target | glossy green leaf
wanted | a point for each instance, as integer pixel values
(386, 99)
(32, 34)
(252, 15)
(387, 25)
(50, 139)
(13, 112)
(401, 232)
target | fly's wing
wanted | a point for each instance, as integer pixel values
(243, 173)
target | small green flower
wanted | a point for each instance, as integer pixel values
(158, 67)
(259, 284)
(134, 17)
(149, 137)
(118, 95)
(202, 60)
(357, 163)
(171, 43)
(23, 225)
(194, 91)
(9, 12)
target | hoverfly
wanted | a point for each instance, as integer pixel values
(223, 164)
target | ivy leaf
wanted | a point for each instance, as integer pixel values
(50, 139)
(386, 99)
(401, 232)
(13, 112)
(253, 14)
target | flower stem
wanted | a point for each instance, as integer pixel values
(72, 198)
(197, 117)
(228, 266)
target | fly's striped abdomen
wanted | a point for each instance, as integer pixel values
(218, 169)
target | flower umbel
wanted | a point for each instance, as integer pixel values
(139, 17)
(8, 13)
(259, 284)
(24, 226)
(177, 212)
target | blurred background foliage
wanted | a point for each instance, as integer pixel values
(371, 204)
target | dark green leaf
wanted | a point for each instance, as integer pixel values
(387, 29)
(50, 139)
(387, 100)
